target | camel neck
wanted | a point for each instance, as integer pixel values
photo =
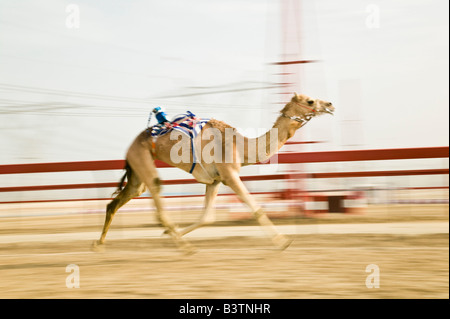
(270, 142)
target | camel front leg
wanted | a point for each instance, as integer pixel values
(143, 165)
(233, 180)
(208, 216)
(165, 221)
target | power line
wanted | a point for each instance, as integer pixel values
(222, 91)
(21, 106)
(28, 89)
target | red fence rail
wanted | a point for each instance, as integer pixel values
(283, 158)
(244, 178)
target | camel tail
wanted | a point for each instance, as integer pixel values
(127, 175)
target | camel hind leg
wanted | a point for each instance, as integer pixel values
(133, 188)
(144, 166)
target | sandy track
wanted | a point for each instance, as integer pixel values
(325, 260)
(403, 228)
(315, 266)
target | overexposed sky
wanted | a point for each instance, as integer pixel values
(84, 93)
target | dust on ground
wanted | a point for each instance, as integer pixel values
(314, 266)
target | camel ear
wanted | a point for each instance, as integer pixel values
(295, 98)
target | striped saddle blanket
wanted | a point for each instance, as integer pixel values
(187, 123)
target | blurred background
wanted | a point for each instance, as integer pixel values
(78, 80)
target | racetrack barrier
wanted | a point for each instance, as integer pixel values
(282, 158)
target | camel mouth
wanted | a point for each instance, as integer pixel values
(329, 109)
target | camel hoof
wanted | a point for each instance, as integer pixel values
(286, 244)
(97, 247)
(169, 232)
(188, 249)
(185, 247)
(282, 242)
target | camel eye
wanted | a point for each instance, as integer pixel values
(310, 102)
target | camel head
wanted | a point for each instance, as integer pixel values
(305, 107)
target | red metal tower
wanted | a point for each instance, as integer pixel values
(290, 79)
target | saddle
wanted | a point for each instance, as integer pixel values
(187, 123)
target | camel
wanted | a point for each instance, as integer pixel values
(141, 171)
